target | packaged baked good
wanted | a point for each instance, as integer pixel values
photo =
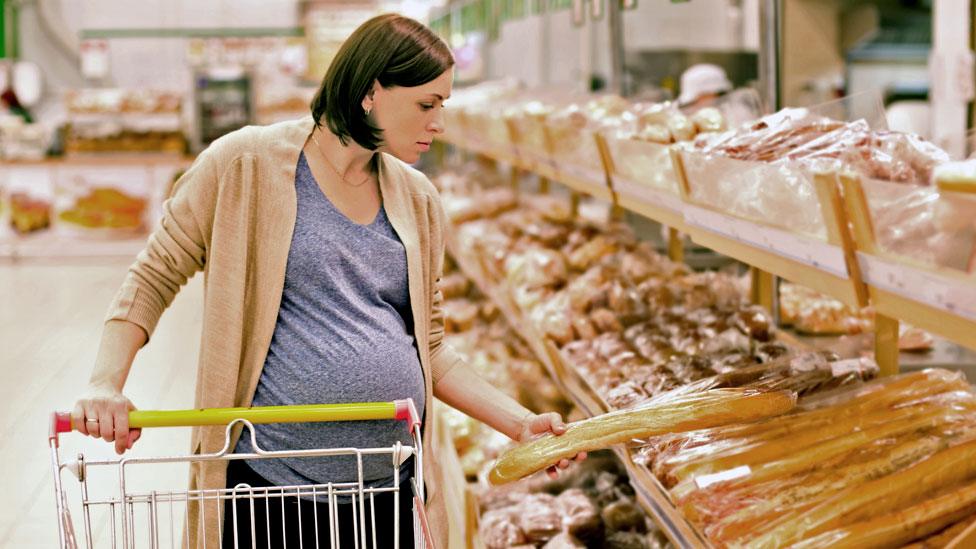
(624, 515)
(655, 133)
(459, 315)
(499, 529)
(564, 541)
(536, 268)
(708, 119)
(539, 517)
(681, 127)
(589, 253)
(454, 285)
(605, 321)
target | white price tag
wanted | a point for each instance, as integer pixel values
(705, 481)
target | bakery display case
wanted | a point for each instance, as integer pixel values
(113, 120)
(27, 196)
(83, 206)
(575, 290)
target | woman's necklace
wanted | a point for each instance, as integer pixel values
(336, 170)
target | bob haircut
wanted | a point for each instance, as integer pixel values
(391, 49)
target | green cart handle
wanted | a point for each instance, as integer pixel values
(398, 410)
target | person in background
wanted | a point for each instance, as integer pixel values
(702, 86)
(707, 85)
(322, 251)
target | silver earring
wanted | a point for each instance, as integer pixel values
(367, 109)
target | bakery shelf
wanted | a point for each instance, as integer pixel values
(823, 260)
(652, 496)
(582, 179)
(800, 235)
(657, 503)
(643, 179)
(823, 237)
(532, 144)
(95, 206)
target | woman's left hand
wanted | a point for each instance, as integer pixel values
(539, 424)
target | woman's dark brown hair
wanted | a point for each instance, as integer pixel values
(391, 49)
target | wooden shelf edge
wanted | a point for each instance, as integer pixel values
(654, 498)
(821, 281)
(583, 186)
(955, 328)
(661, 214)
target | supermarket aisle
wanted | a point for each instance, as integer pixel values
(49, 327)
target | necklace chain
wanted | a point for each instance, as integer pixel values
(318, 147)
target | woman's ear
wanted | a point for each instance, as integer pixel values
(368, 101)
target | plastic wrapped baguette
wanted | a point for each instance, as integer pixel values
(903, 526)
(879, 497)
(881, 464)
(657, 417)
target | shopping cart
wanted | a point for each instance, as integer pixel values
(124, 512)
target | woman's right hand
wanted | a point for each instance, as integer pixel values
(104, 413)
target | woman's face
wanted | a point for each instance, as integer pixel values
(410, 117)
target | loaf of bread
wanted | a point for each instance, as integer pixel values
(686, 413)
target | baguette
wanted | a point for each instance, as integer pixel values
(899, 528)
(945, 537)
(881, 396)
(687, 413)
(881, 495)
(782, 456)
(766, 502)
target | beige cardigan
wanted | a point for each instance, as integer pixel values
(232, 215)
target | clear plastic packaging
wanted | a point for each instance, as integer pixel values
(764, 171)
(781, 194)
(843, 457)
(644, 162)
(902, 526)
(571, 132)
(924, 224)
(695, 411)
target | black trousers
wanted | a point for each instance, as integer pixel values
(271, 533)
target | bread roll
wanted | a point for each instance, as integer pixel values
(708, 119)
(681, 127)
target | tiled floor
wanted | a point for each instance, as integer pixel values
(50, 321)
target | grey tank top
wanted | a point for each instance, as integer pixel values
(344, 334)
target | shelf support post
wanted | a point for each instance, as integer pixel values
(886, 344)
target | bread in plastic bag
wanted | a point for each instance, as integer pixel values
(693, 412)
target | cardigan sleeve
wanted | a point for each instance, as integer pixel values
(176, 249)
(443, 358)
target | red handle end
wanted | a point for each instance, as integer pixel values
(60, 423)
(407, 411)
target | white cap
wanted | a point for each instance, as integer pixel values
(699, 80)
